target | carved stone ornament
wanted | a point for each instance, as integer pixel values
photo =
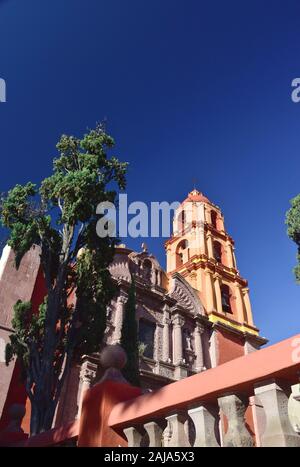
(185, 295)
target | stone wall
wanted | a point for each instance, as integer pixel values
(14, 285)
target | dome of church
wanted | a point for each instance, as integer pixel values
(196, 195)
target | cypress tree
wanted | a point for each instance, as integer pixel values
(60, 216)
(293, 231)
(129, 338)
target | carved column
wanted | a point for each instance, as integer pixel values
(119, 317)
(200, 238)
(177, 322)
(231, 262)
(166, 335)
(210, 248)
(210, 292)
(240, 308)
(233, 256)
(158, 278)
(87, 377)
(217, 284)
(157, 337)
(279, 432)
(220, 223)
(214, 348)
(199, 329)
(153, 276)
(205, 421)
(234, 408)
(247, 305)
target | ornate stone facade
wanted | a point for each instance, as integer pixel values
(169, 313)
(193, 316)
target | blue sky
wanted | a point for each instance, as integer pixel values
(190, 89)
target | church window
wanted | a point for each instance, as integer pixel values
(217, 251)
(147, 266)
(225, 297)
(146, 337)
(181, 253)
(181, 221)
(213, 216)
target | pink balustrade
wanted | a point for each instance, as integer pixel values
(253, 400)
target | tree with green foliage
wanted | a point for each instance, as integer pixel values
(129, 338)
(60, 218)
(293, 230)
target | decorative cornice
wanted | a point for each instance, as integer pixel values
(153, 292)
(222, 234)
(202, 261)
(243, 328)
(185, 295)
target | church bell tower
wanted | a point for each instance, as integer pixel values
(202, 251)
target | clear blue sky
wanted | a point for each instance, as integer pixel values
(191, 89)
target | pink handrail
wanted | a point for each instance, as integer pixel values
(280, 361)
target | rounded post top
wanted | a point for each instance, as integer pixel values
(113, 356)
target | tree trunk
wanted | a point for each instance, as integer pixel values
(47, 386)
(35, 419)
(42, 415)
(45, 395)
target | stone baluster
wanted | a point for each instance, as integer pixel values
(178, 322)
(278, 432)
(155, 434)
(296, 392)
(294, 407)
(205, 421)
(167, 435)
(134, 437)
(177, 431)
(234, 408)
(119, 316)
(199, 329)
